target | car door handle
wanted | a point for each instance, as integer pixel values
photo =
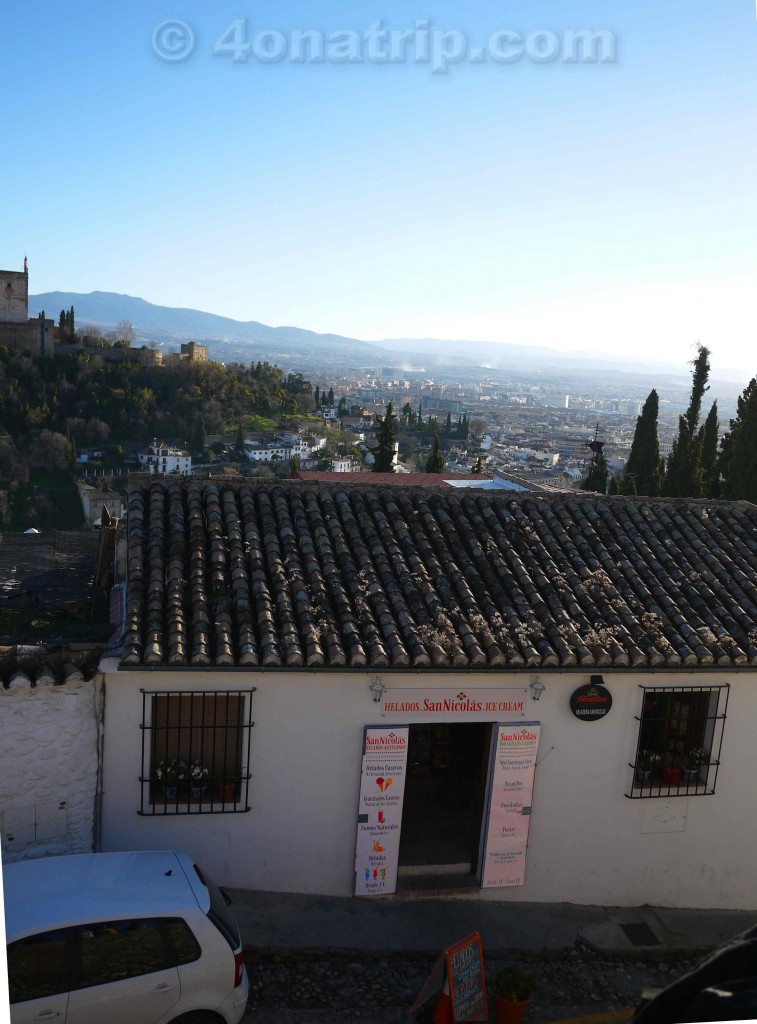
(47, 1015)
(163, 987)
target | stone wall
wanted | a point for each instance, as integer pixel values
(48, 766)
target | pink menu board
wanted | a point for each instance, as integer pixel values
(382, 789)
(510, 805)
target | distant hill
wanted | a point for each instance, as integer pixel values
(106, 309)
(242, 341)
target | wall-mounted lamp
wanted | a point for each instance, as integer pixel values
(597, 680)
(537, 688)
(377, 689)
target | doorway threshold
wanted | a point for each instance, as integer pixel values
(435, 880)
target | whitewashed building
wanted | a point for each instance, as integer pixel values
(526, 697)
(162, 458)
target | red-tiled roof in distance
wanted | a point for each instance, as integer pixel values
(295, 574)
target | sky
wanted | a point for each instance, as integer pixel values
(494, 189)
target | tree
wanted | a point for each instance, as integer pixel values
(342, 407)
(124, 334)
(448, 425)
(737, 464)
(596, 478)
(317, 394)
(239, 449)
(198, 434)
(479, 467)
(643, 464)
(50, 450)
(295, 464)
(383, 453)
(71, 323)
(330, 399)
(683, 473)
(708, 437)
(435, 463)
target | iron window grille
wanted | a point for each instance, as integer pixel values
(680, 740)
(195, 751)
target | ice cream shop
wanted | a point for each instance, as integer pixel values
(364, 692)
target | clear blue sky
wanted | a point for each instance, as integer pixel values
(605, 207)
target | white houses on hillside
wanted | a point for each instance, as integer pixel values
(160, 457)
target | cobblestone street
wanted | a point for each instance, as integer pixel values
(325, 987)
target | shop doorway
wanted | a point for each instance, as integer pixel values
(445, 786)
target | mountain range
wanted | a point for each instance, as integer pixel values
(235, 340)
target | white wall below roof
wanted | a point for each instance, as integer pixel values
(48, 769)
(587, 844)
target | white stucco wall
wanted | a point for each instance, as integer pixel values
(588, 842)
(48, 769)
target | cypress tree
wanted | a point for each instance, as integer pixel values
(683, 473)
(738, 450)
(71, 324)
(330, 399)
(448, 425)
(317, 395)
(435, 462)
(615, 487)
(383, 453)
(708, 438)
(479, 467)
(643, 464)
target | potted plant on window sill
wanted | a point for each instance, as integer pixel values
(646, 762)
(169, 774)
(694, 760)
(229, 789)
(198, 775)
(672, 765)
(513, 990)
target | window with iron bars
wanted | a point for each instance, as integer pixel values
(195, 751)
(680, 741)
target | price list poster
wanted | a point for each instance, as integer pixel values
(510, 805)
(382, 790)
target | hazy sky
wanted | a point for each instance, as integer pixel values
(604, 206)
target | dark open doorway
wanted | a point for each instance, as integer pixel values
(444, 796)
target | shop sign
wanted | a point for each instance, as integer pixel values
(461, 705)
(588, 703)
(459, 976)
(382, 789)
(509, 816)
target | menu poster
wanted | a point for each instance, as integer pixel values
(510, 806)
(382, 789)
(467, 988)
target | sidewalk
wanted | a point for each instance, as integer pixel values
(427, 925)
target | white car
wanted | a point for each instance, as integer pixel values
(122, 938)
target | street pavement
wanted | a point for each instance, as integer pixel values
(328, 960)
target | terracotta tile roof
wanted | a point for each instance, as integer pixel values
(295, 574)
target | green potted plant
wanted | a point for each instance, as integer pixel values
(198, 777)
(646, 762)
(513, 990)
(694, 760)
(229, 788)
(169, 774)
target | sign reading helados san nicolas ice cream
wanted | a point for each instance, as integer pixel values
(382, 789)
(512, 788)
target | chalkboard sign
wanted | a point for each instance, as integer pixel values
(465, 973)
(458, 981)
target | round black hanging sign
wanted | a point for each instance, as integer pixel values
(590, 702)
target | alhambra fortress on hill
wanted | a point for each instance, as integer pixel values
(17, 331)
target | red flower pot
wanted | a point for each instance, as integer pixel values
(508, 1012)
(670, 776)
